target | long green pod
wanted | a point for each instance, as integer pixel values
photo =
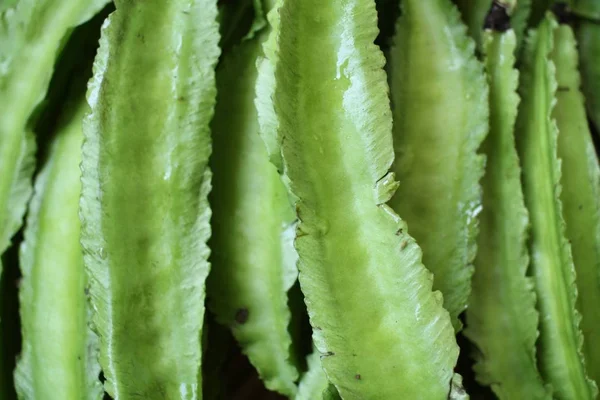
(253, 259)
(381, 331)
(501, 319)
(144, 209)
(59, 359)
(559, 345)
(31, 35)
(442, 102)
(581, 191)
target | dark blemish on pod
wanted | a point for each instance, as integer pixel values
(497, 18)
(357, 377)
(181, 99)
(241, 316)
(581, 207)
(403, 244)
(328, 354)
(563, 89)
(399, 232)
(86, 291)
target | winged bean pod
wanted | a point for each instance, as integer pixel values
(31, 35)
(59, 358)
(252, 252)
(440, 119)
(581, 191)
(381, 331)
(560, 357)
(502, 320)
(144, 209)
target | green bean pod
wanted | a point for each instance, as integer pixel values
(559, 345)
(322, 94)
(253, 227)
(581, 191)
(501, 319)
(144, 208)
(440, 119)
(59, 357)
(31, 35)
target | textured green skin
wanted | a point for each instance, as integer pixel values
(252, 242)
(559, 344)
(380, 329)
(59, 358)
(440, 101)
(501, 319)
(588, 41)
(31, 35)
(144, 204)
(474, 13)
(581, 191)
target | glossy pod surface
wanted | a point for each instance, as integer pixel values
(440, 119)
(501, 319)
(59, 356)
(560, 356)
(581, 191)
(253, 259)
(145, 183)
(380, 330)
(31, 35)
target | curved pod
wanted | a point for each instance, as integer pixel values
(144, 209)
(253, 259)
(31, 35)
(581, 191)
(59, 357)
(560, 357)
(502, 320)
(440, 119)
(381, 331)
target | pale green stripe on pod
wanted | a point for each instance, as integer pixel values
(501, 319)
(559, 345)
(253, 259)
(59, 358)
(581, 191)
(440, 100)
(144, 208)
(31, 34)
(381, 331)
